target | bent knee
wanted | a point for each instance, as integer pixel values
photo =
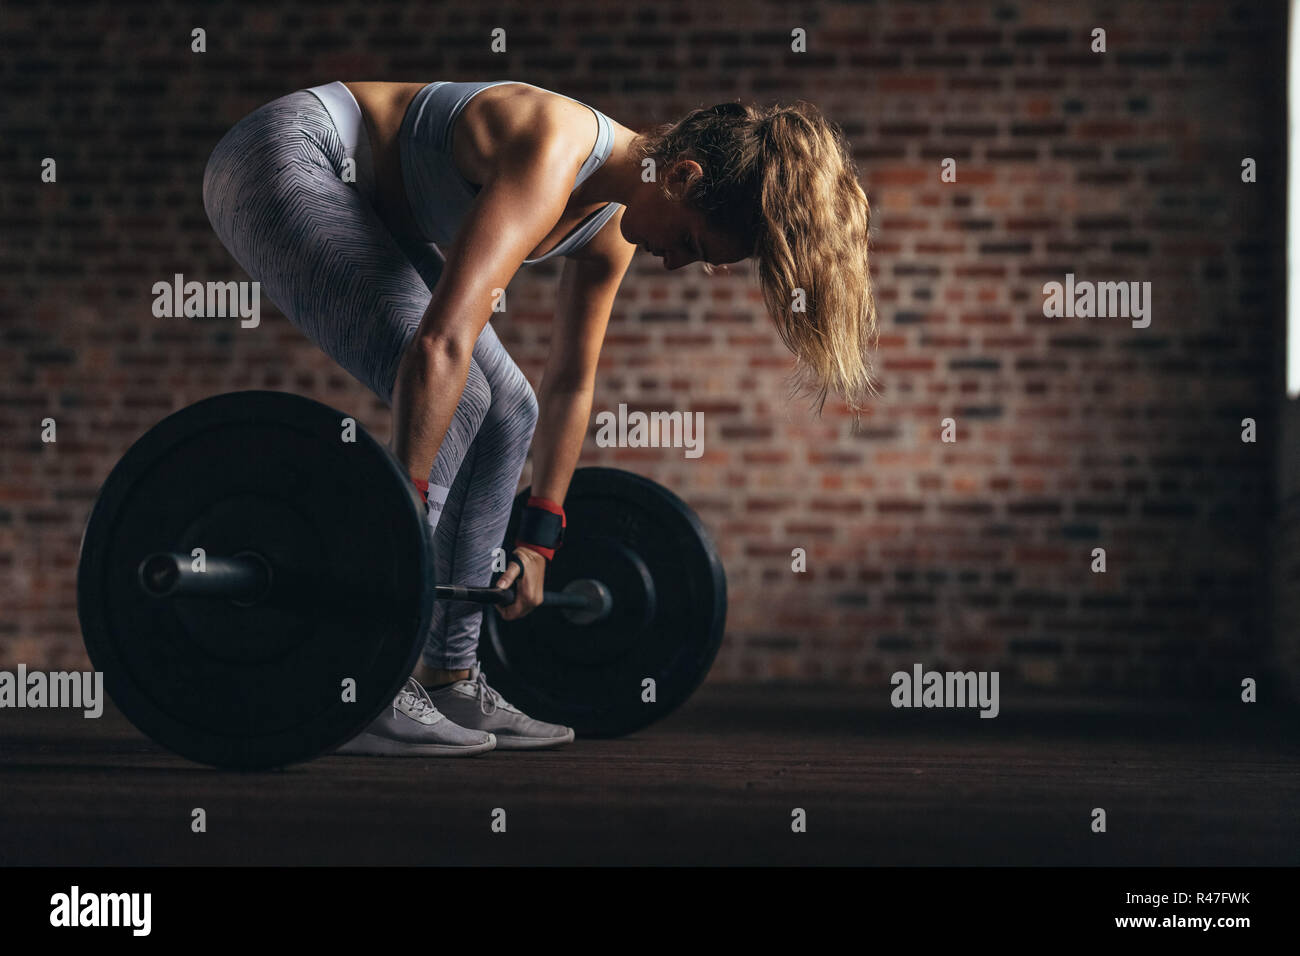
(476, 400)
(515, 402)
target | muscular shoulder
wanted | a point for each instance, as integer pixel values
(514, 122)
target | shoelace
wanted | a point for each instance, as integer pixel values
(417, 701)
(486, 695)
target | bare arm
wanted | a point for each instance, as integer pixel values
(515, 209)
(587, 289)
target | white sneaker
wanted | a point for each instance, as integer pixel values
(413, 727)
(472, 703)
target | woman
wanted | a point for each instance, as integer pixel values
(384, 219)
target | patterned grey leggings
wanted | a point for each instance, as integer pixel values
(274, 194)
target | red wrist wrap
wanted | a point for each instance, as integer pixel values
(539, 529)
(546, 504)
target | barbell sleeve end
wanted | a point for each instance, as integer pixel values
(244, 578)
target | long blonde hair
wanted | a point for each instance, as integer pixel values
(782, 179)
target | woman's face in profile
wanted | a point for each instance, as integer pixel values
(670, 229)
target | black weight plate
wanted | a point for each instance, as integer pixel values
(670, 605)
(343, 527)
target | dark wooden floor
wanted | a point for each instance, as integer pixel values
(715, 783)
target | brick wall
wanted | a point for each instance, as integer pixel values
(1072, 433)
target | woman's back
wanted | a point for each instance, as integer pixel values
(452, 139)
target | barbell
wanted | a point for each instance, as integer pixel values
(247, 578)
(255, 584)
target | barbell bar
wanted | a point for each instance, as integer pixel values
(247, 578)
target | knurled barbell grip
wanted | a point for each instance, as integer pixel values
(506, 596)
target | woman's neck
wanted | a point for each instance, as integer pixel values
(619, 177)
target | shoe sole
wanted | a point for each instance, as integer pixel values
(532, 743)
(372, 745)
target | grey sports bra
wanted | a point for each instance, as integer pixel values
(439, 196)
